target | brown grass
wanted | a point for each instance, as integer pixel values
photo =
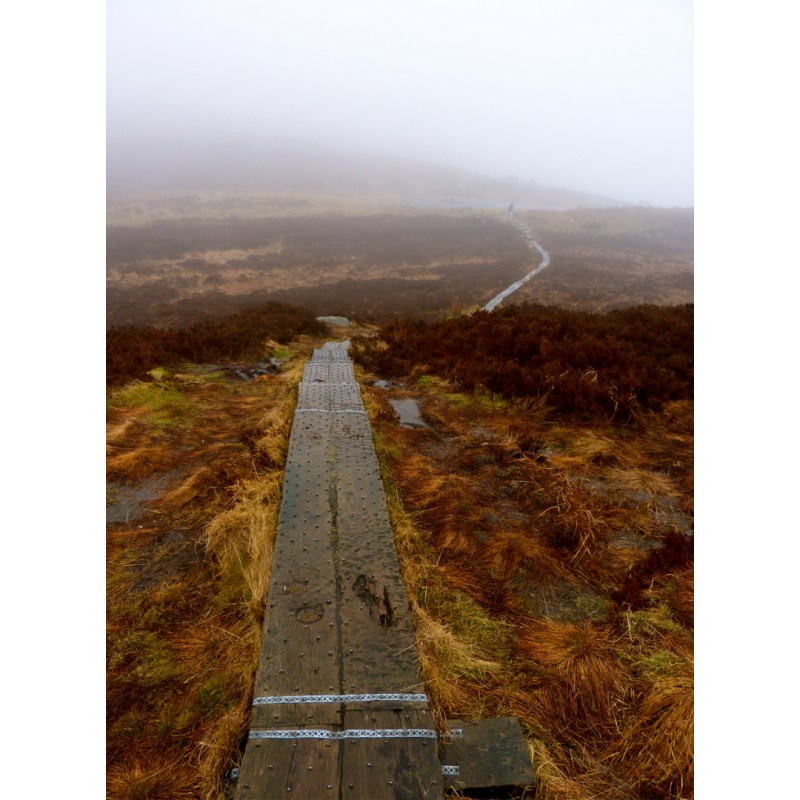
(584, 684)
(186, 586)
(494, 505)
(140, 463)
(656, 749)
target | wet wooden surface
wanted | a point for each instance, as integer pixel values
(490, 753)
(338, 621)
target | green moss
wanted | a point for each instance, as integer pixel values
(656, 620)
(466, 619)
(660, 663)
(211, 697)
(151, 660)
(163, 403)
(590, 605)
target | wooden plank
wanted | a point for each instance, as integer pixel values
(491, 753)
(378, 643)
(338, 620)
(301, 651)
(390, 769)
(305, 768)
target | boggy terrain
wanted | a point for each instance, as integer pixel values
(194, 474)
(178, 272)
(132, 351)
(547, 554)
(612, 258)
(547, 544)
(543, 518)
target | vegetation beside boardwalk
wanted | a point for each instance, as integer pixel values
(618, 365)
(548, 549)
(195, 467)
(132, 351)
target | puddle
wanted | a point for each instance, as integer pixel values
(170, 555)
(249, 372)
(382, 384)
(127, 502)
(334, 320)
(408, 411)
(246, 372)
(564, 602)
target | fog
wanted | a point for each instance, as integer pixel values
(574, 94)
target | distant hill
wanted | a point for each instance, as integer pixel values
(136, 168)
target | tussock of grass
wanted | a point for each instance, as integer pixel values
(657, 747)
(186, 589)
(453, 666)
(585, 682)
(144, 778)
(241, 539)
(642, 482)
(140, 463)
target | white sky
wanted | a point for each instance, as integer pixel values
(578, 94)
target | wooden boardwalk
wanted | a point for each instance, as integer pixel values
(338, 709)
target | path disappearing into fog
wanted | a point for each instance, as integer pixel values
(497, 299)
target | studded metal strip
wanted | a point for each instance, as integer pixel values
(339, 698)
(448, 769)
(382, 733)
(328, 411)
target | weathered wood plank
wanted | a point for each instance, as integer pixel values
(390, 768)
(378, 640)
(490, 753)
(277, 768)
(338, 620)
(301, 651)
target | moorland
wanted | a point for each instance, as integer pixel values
(561, 593)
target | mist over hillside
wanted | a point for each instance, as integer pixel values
(225, 164)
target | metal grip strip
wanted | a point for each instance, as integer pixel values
(384, 733)
(339, 698)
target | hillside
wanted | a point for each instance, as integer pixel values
(542, 502)
(176, 272)
(248, 177)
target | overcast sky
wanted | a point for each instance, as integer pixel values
(578, 94)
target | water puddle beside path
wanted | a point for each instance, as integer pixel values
(127, 502)
(407, 409)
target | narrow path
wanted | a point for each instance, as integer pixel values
(497, 299)
(339, 710)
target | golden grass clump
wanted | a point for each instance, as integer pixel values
(241, 539)
(657, 746)
(140, 463)
(145, 778)
(642, 482)
(514, 547)
(275, 426)
(585, 683)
